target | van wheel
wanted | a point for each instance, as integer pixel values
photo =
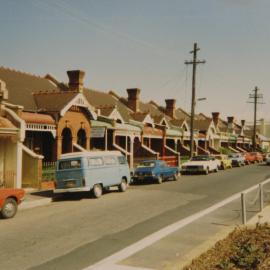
(123, 185)
(97, 190)
(9, 208)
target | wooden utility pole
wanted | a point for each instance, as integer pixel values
(194, 63)
(255, 98)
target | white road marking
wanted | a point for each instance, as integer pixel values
(111, 261)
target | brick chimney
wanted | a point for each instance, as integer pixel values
(133, 98)
(215, 116)
(75, 80)
(170, 107)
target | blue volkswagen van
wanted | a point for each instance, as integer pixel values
(91, 171)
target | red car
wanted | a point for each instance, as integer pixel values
(254, 157)
(250, 157)
(9, 200)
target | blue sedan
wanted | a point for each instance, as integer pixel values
(156, 170)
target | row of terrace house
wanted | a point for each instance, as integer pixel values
(57, 118)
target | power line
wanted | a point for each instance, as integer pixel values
(255, 97)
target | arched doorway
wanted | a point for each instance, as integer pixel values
(81, 138)
(67, 141)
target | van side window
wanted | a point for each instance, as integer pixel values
(69, 164)
(110, 160)
(122, 160)
(92, 162)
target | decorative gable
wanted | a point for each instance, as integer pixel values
(79, 101)
(115, 115)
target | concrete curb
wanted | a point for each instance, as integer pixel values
(35, 203)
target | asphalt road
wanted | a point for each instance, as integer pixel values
(79, 231)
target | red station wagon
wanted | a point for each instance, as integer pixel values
(9, 200)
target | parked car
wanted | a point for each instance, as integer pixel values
(255, 157)
(265, 156)
(156, 170)
(267, 160)
(224, 162)
(259, 157)
(10, 198)
(91, 171)
(237, 159)
(250, 158)
(200, 164)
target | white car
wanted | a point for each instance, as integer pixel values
(201, 164)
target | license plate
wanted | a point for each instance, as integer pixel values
(70, 184)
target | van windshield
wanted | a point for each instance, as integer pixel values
(69, 164)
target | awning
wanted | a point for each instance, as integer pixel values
(127, 127)
(152, 132)
(173, 133)
(7, 129)
(263, 138)
(37, 118)
(95, 123)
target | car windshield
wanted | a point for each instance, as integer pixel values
(146, 164)
(200, 158)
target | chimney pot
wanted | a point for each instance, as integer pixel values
(76, 80)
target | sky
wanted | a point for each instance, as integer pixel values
(124, 44)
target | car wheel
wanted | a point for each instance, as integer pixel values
(216, 169)
(206, 171)
(97, 190)
(223, 167)
(123, 185)
(9, 208)
(159, 179)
